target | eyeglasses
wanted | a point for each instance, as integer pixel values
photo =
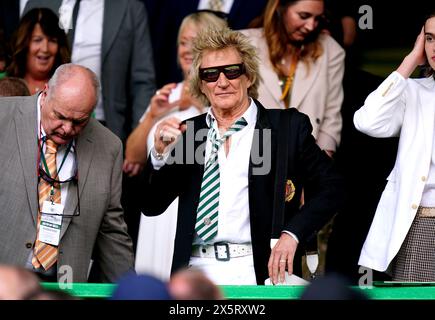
(45, 176)
(56, 183)
(231, 71)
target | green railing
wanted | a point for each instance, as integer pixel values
(380, 292)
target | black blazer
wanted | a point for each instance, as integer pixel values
(308, 168)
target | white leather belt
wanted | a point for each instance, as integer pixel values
(222, 251)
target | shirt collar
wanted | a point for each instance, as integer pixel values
(250, 115)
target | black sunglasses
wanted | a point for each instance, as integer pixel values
(231, 71)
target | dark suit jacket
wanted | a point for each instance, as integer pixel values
(127, 69)
(308, 168)
(165, 20)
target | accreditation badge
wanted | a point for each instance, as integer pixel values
(289, 190)
(51, 223)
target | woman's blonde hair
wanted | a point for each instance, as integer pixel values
(201, 20)
(219, 39)
(276, 36)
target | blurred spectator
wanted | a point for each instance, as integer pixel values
(17, 283)
(53, 295)
(12, 86)
(300, 66)
(332, 287)
(165, 20)
(38, 48)
(133, 286)
(193, 284)
(341, 21)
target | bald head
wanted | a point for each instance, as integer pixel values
(74, 79)
(68, 101)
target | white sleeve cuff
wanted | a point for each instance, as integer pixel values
(158, 163)
(292, 235)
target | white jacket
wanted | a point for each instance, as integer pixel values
(317, 91)
(404, 107)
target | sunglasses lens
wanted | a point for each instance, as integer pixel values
(209, 74)
(233, 72)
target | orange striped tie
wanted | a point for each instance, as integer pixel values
(44, 254)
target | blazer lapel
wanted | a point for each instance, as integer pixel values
(262, 144)
(303, 81)
(200, 142)
(114, 12)
(27, 132)
(84, 155)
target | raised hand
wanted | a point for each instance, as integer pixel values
(159, 105)
(167, 133)
(415, 58)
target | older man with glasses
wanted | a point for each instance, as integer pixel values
(238, 171)
(60, 191)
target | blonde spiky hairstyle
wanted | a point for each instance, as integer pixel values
(212, 39)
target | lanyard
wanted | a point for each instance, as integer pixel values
(44, 162)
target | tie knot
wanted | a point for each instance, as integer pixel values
(217, 142)
(51, 146)
(237, 126)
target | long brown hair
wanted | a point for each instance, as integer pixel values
(272, 22)
(49, 24)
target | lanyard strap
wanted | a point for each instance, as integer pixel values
(44, 162)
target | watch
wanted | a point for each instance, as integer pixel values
(158, 156)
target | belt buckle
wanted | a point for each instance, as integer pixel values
(227, 251)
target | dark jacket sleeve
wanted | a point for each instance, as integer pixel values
(162, 186)
(323, 186)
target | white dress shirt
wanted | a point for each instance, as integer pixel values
(88, 37)
(22, 6)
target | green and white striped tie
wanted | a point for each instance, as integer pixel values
(207, 214)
